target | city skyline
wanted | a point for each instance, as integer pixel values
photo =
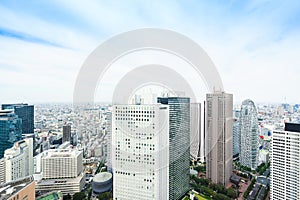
(250, 43)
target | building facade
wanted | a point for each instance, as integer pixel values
(197, 142)
(62, 163)
(26, 113)
(66, 133)
(236, 134)
(249, 135)
(10, 130)
(179, 145)
(140, 151)
(219, 144)
(285, 167)
(18, 160)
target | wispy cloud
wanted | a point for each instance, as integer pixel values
(44, 43)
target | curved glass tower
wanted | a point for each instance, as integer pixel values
(249, 135)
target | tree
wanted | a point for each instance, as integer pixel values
(67, 197)
(221, 197)
(105, 196)
(231, 193)
(79, 196)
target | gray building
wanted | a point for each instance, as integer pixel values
(218, 138)
(179, 145)
(66, 133)
(249, 135)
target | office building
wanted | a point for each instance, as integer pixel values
(249, 135)
(285, 167)
(197, 141)
(179, 145)
(17, 161)
(62, 163)
(108, 141)
(219, 144)
(140, 151)
(66, 133)
(10, 130)
(236, 134)
(26, 113)
(61, 170)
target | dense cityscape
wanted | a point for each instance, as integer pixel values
(54, 151)
(149, 100)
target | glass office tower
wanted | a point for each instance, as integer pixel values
(179, 142)
(10, 130)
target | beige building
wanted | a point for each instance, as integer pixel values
(22, 189)
(218, 140)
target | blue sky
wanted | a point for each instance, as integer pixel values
(254, 44)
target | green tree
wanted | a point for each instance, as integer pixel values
(105, 196)
(79, 196)
(231, 193)
(67, 197)
(221, 197)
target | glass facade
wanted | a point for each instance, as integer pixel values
(10, 130)
(179, 142)
(26, 113)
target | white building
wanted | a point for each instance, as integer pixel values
(249, 135)
(218, 140)
(197, 142)
(140, 153)
(285, 167)
(62, 163)
(17, 161)
(61, 170)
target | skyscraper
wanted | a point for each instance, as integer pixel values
(236, 136)
(179, 145)
(285, 167)
(66, 133)
(26, 113)
(140, 151)
(218, 138)
(197, 133)
(249, 135)
(10, 130)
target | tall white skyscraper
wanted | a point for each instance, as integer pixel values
(249, 135)
(218, 136)
(17, 161)
(140, 151)
(285, 167)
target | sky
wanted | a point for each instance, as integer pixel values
(254, 44)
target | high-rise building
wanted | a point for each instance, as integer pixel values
(10, 130)
(26, 113)
(197, 133)
(218, 138)
(18, 161)
(140, 151)
(108, 141)
(179, 145)
(249, 135)
(285, 167)
(236, 133)
(66, 133)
